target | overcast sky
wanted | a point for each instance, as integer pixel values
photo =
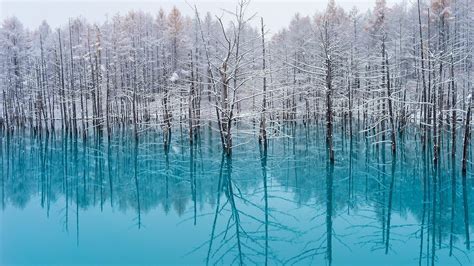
(276, 13)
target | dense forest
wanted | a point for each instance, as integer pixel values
(374, 73)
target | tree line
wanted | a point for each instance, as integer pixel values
(375, 73)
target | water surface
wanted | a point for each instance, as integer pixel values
(66, 200)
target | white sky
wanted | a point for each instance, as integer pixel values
(276, 13)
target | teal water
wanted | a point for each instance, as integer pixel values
(69, 201)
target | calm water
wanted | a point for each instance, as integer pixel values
(69, 201)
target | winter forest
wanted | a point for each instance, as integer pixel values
(338, 113)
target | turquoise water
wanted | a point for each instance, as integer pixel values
(69, 201)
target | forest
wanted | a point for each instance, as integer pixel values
(374, 73)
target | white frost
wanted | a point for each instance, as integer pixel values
(174, 77)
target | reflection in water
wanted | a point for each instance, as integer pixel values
(329, 210)
(263, 159)
(466, 210)
(279, 204)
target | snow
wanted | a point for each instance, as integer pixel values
(174, 77)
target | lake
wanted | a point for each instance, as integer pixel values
(68, 200)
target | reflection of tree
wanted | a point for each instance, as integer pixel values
(226, 186)
(192, 180)
(324, 244)
(453, 205)
(239, 238)
(216, 214)
(424, 203)
(390, 201)
(329, 210)
(466, 209)
(263, 159)
(138, 177)
(110, 174)
(65, 163)
(5, 165)
(137, 187)
(402, 186)
(18, 188)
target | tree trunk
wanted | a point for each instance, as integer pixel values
(263, 131)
